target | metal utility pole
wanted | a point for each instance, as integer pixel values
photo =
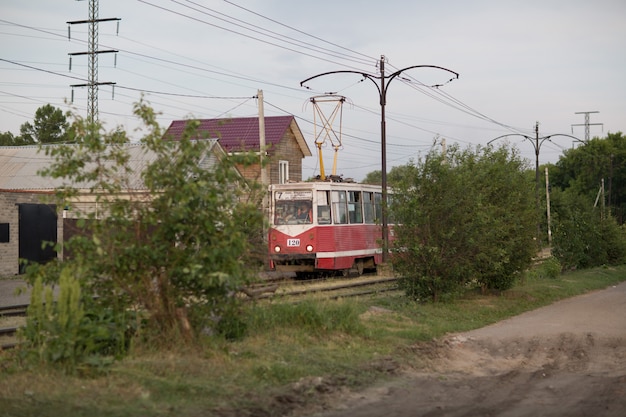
(587, 124)
(93, 52)
(537, 142)
(382, 93)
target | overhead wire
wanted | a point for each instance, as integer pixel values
(364, 144)
(301, 52)
(447, 99)
(269, 33)
(367, 57)
(122, 86)
(222, 73)
(161, 93)
(306, 49)
(195, 67)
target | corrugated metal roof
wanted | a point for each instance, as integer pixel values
(19, 167)
(242, 133)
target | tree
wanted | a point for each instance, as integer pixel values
(8, 139)
(585, 167)
(373, 177)
(176, 259)
(49, 126)
(467, 216)
(395, 175)
(584, 237)
(588, 203)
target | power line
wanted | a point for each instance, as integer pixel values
(369, 58)
(164, 93)
(271, 34)
(316, 51)
(447, 99)
(301, 52)
(32, 28)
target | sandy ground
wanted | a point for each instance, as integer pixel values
(567, 359)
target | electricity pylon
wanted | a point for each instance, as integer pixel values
(93, 52)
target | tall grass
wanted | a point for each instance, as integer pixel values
(316, 318)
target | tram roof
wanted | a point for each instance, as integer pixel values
(326, 185)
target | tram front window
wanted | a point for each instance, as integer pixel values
(293, 212)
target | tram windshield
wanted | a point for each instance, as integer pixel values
(293, 212)
(293, 207)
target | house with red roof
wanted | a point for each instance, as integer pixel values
(285, 144)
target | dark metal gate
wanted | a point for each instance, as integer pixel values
(37, 224)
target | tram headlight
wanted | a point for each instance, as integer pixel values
(309, 248)
(277, 249)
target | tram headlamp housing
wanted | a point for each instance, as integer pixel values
(309, 248)
(277, 249)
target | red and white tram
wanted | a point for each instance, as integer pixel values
(323, 226)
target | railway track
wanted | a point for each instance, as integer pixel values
(11, 319)
(324, 288)
(7, 338)
(274, 286)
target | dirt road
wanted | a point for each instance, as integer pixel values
(567, 359)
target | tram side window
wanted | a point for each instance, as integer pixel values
(339, 207)
(378, 207)
(368, 207)
(355, 209)
(323, 208)
(390, 203)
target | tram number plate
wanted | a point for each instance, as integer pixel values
(293, 242)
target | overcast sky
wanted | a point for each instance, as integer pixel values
(519, 62)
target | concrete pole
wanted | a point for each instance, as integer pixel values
(548, 208)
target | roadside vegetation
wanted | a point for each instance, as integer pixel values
(148, 322)
(292, 357)
(147, 268)
(465, 216)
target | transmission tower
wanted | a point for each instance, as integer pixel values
(586, 124)
(92, 52)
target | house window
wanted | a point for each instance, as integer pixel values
(4, 232)
(283, 172)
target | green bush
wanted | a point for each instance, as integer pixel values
(467, 216)
(65, 333)
(551, 268)
(583, 236)
(175, 249)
